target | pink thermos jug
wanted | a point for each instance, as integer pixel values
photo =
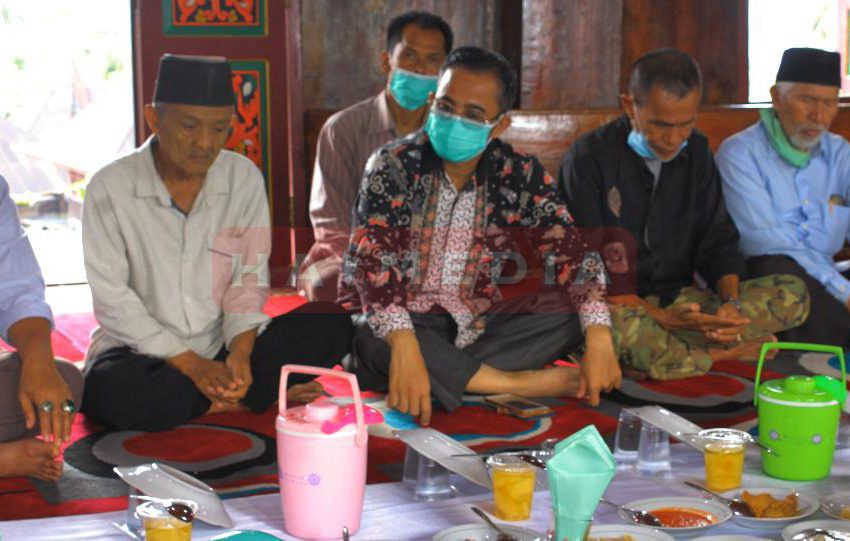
(321, 457)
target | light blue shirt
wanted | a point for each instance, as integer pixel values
(783, 209)
(21, 284)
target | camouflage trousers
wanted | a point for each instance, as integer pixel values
(773, 304)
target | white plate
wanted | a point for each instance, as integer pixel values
(482, 532)
(792, 529)
(439, 448)
(731, 538)
(807, 505)
(675, 425)
(161, 481)
(833, 504)
(720, 512)
(636, 532)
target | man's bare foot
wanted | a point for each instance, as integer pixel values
(31, 458)
(304, 392)
(226, 407)
(555, 381)
(746, 351)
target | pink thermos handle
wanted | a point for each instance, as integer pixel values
(360, 439)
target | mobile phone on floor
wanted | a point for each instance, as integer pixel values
(518, 406)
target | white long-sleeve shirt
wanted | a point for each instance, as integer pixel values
(164, 282)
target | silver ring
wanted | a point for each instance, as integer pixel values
(46, 406)
(68, 406)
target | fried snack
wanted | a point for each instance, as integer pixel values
(766, 506)
(845, 512)
(622, 538)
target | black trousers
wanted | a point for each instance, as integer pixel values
(829, 320)
(130, 391)
(520, 334)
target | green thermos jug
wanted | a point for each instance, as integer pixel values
(798, 418)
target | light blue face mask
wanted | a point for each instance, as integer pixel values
(411, 90)
(456, 139)
(639, 143)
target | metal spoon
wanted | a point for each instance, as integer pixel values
(829, 534)
(503, 535)
(737, 506)
(180, 511)
(533, 460)
(638, 517)
(345, 533)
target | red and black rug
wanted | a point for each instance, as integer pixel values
(235, 453)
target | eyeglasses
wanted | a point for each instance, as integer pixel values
(472, 115)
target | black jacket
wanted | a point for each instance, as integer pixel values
(606, 184)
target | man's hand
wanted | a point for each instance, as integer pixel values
(409, 386)
(690, 317)
(600, 370)
(730, 334)
(212, 378)
(239, 365)
(40, 381)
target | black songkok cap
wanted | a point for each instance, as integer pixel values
(815, 66)
(194, 80)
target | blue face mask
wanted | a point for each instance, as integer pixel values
(639, 143)
(454, 138)
(411, 90)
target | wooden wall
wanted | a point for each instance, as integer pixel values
(342, 39)
(578, 53)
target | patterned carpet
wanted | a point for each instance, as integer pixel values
(235, 453)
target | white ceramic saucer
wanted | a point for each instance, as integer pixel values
(621, 530)
(792, 529)
(805, 503)
(720, 512)
(482, 532)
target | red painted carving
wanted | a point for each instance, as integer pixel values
(215, 12)
(247, 137)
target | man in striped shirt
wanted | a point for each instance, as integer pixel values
(417, 44)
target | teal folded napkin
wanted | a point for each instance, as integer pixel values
(579, 474)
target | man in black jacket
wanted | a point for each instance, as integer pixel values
(651, 176)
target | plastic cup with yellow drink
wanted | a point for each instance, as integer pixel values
(167, 520)
(724, 452)
(513, 486)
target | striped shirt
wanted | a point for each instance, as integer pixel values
(345, 143)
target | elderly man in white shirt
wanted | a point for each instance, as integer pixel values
(176, 239)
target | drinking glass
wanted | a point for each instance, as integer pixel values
(160, 525)
(513, 486)
(432, 481)
(581, 525)
(842, 440)
(724, 465)
(627, 439)
(411, 466)
(653, 449)
(134, 522)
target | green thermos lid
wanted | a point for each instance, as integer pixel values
(795, 389)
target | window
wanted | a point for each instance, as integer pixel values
(776, 25)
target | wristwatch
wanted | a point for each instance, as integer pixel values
(734, 302)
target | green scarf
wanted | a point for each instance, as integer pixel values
(780, 142)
